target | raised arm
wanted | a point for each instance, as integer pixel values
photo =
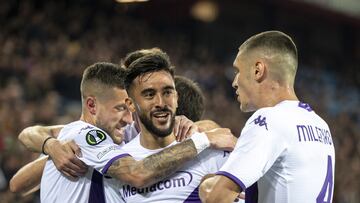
(184, 127)
(158, 166)
(40, 139)
(28, 177)
(205, 125)
(34, 136)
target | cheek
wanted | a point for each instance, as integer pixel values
(239, 84)
(110, 116)
(172, 103)
(116, 115)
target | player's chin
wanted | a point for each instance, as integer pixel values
(162, 125)
(118, 135)
(244, 107)
(163, 132)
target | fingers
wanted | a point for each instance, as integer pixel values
(73, 162)
(184, 128)
(176, 127)
(180, 133)
(75, 148)
(76, 167)
(69, 174)
(79, 166)
(70, 169)
(187, 129)
(67, 162)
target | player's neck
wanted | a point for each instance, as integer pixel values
(86, 117)
(150, 141)
(275, 95)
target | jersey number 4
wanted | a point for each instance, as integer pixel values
(327, 188)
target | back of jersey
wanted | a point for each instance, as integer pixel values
(287, 149)
(304, 171)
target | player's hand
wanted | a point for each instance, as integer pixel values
(184, 128)
(221, 138)
(65, 158)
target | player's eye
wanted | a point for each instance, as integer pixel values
(121, 108)
(168, 92)
(148, 94)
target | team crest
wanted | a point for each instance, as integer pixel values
(94, 137)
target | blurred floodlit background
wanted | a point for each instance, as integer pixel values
(45, 46)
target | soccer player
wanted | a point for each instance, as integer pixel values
(28, 177)
(103, 105)
(152, 95)
(190, 97)
(285, 151)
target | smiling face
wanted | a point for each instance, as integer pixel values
(112, 113)
(155, 100)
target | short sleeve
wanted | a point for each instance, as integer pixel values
(213, 160)
(98, 150)
(255, 152)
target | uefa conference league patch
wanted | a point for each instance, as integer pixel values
(94, 137)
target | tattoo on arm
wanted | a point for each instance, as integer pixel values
(154, 167)
(164, 163)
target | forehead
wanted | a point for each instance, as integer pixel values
(238, 60)
(156, 79)
(243, 57)
(116, 94)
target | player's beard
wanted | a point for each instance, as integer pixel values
(105, 128)
(149, 125)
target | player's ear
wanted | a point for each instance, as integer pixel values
(91, 104)
(130, 104)
(260, 71)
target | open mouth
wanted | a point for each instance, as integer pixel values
(161, 116)
(120, 131)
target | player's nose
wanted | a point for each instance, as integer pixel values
(234, 83)
(127, 117)
(159, 101)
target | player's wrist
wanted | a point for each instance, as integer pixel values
(212, 139)
(48, 145)
(201, 141)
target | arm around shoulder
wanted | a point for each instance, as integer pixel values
(154, 167)
(162, 164)
(33, 137)
(28, 177)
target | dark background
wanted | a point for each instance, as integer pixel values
(45, 46)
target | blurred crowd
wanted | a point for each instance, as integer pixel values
(44, 49)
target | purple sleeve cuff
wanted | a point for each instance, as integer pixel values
(233, 178)
(108, 164)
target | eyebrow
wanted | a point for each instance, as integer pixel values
(168, 87)
(147, 91)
